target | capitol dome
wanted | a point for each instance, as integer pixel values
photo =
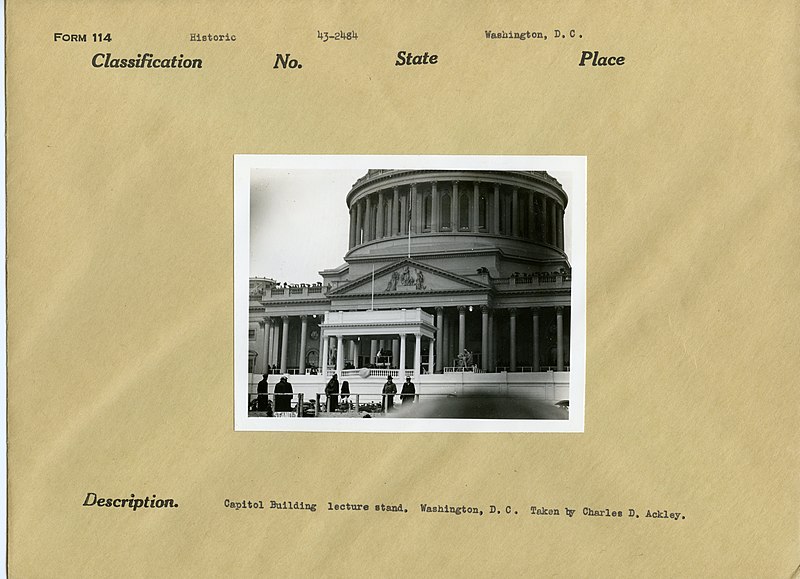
(440, 214)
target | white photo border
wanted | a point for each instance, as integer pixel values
(575, 165)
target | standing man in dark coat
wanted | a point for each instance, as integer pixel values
(346, 394)
(332, 392)
(284, 403)
(389, 390)
(408, 392)
(262, 402)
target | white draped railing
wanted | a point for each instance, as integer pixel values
(460, 369)
(373, 372)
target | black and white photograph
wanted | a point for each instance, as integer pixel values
(410, 293)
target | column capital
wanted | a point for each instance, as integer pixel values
(536, 310)
(559, 309)
(512, 311)
(484, 309)
(439, 309)
(304, 317)
(285, 318)
(462, 309)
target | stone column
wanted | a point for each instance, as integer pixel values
(560, 227)
(274, 342)
(432, 357)
(484, 338)
(515, 212)
(380, 219)
(439, 338)
(535, 339)
(560, 338)
(415, 209)
(402, 365)
(395, 353)
(284, 344)
(492, 344)
(420, 200)
(512, 325)
(303, 332)
(354, 352)
(373, 351)
(352, 228)
(266, 325)
(507, 219)
(404, 215)
(531, 216)
(453, 338)
(388, 230)
(321, 342)
(496, 210)
(476, 207)
(462, 328)
(434, 207)
(323, 362)
(395, 229)
(339, 354)
(454, 208)
(553, 226)
(445, 357)
(417, 356)
(368, 218)
(359, 222)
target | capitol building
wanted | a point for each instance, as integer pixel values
(458, 278)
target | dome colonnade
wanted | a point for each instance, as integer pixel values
(524, 205)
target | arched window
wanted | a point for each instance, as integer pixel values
(445, 211)
(463, 211)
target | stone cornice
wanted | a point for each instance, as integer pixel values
(461, 235)
(459, 253)
(376, 180)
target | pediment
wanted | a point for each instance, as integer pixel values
(409, 277)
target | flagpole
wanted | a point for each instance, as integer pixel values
(410, 213)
